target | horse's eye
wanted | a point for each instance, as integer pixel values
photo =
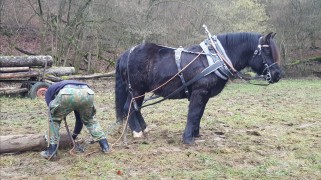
(267, 51)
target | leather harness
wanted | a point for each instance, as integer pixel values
(215, 63)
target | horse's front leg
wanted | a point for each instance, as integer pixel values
(139, 116)
(132, 118)
(196, 108)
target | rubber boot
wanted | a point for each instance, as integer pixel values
(51, 152)
(104, 145)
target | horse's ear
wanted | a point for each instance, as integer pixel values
(273, 35)
(268, 37)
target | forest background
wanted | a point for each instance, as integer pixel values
(91, 34)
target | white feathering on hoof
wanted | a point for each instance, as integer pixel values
(146, 130)
(139, 134)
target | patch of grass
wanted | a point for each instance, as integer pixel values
(248, 132)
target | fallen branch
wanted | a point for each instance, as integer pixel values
(25, 52)
(92, 76)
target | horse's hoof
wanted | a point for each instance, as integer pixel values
(188, 141)
(139, 134)
(146, 130)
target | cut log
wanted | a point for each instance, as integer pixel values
(19, 75)
(53, 78)
(13, 69)
(22, 61)
(7, 91)
(56, 71)
(29, 142)
(61, 71)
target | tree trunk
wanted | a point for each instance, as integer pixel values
(19, 75)
(22, 61)
(13, 69)
(29, 142)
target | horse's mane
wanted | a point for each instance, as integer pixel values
(275, 52)
(233, 40)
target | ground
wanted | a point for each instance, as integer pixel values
(248, 132)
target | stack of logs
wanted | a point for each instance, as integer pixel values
(13, 67)
(21, 68)
(37, 68)
(40, 66)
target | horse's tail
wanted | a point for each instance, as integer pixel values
(120, 92)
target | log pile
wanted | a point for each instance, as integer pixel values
(17, 67)
(23, 68)
(36, 68)
(20, 67)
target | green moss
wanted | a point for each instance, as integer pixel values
(65, 77)
(317, 58)
(295, 62)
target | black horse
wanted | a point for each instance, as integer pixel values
(147, 67)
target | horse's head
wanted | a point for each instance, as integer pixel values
(266, 59)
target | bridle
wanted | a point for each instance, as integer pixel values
(258, 52)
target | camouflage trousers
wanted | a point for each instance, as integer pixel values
(74, 98)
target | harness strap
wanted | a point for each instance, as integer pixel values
(128, 77)
(178, 53)
(205, 72)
